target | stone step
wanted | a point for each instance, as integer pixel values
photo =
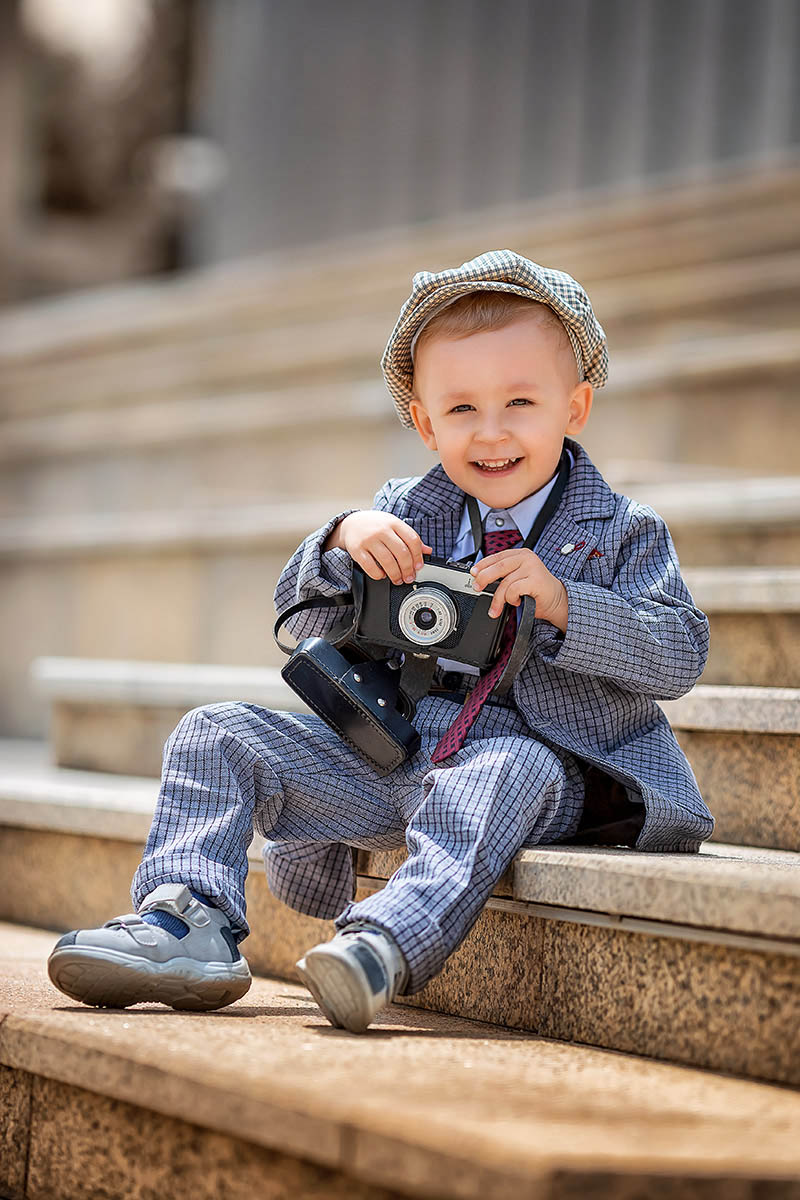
(742, 742)
(638, 244)
(178, 583)
(586, 945)
(340, 439)
(707, 400)
(181, 586)
(265, 1098)
(755, 623)
(714, 521)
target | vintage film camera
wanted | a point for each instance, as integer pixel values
(368, 698)
(441, 611)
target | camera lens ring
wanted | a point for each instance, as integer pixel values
(434, 600)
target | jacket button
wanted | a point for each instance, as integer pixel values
(567, 548)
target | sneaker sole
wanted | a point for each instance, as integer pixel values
(104, 979)
(331, 983)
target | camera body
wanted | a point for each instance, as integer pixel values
(441, 613)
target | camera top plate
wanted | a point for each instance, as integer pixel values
(451, 574)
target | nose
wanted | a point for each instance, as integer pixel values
(492, 431)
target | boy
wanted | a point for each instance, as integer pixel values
(494, 365)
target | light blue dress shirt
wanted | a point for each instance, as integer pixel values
(520, 516)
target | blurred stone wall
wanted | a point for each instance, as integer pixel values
(340, 118)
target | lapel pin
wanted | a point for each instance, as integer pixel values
(568, 547)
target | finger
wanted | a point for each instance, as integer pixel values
(385, 556)
(498, 601)
(508, 592)
(515, 586)
(501, 564)
(369, 564)
(403, 556)
(417, 548)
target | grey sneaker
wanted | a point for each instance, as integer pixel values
(354, 975)
(128, 960)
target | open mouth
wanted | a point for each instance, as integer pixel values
(496, 466)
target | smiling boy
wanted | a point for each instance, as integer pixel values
(494, 364)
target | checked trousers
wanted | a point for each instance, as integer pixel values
(234, 767)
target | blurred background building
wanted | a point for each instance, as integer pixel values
(147, 135)
(210, 211)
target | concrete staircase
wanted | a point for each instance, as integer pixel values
(151, 437)
(616, 1024)
(591, 946)
(693, 960)
(264, 1098)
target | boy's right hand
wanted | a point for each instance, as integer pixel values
(381, 544)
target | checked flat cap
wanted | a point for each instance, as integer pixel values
(498, 271)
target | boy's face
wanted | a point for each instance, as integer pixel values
(496, 407)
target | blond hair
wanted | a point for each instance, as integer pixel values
(480, 312)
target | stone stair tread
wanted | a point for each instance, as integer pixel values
(425, 1102)
(721, 707)
(276, 525)
(735, 890)
(278, 281)
(351, 348)
(745, 589)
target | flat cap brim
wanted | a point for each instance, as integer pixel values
(501, 271)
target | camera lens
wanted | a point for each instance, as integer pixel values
(425, 618)
(427, 615)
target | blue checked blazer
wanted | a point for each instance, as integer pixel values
(633, 635)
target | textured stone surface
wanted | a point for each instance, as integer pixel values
(498, 972)
(751, 783)
(166, 603)
(751, 590)
(738, 709)
(754, 648)
(494, 975)
(684, 1001)
(279, 935)
(766, 544)
(159, 684)
(733, 888)
(60, 881)
(121, 739)
(15, 1111)
(85, 1145)
(422, 1103)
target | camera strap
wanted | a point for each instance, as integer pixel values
(417, 670)
(337, 636)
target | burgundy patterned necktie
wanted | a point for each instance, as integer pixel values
(454, 738)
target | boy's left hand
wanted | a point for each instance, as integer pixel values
(523, 574)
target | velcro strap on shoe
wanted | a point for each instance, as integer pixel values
(176, 898)
(125, 919)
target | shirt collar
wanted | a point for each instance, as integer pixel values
(526, 511)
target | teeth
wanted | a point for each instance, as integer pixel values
(494, 462)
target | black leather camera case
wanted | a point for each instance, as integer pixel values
(347, 697)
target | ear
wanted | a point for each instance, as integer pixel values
(580, 405)
(422, 424)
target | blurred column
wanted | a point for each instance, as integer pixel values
(11, 67)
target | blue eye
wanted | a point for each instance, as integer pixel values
(521, 400)
(461, 408)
